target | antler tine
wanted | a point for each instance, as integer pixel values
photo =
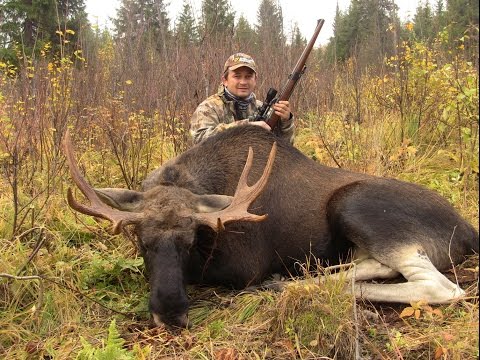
(245, 194)
(243, 198)
(97, 208)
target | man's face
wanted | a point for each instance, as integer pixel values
(240, 82)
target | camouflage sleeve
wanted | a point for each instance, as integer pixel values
(287, 129)
(205, 122)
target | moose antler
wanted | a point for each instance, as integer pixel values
(243, 198)
(97, 208)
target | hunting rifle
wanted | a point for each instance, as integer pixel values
(265, 113)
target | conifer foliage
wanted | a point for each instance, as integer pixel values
(27, 25)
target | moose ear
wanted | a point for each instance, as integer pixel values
(121, 199)
(211, 203)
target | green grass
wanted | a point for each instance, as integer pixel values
(301, 322)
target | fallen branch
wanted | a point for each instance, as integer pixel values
(40, 287)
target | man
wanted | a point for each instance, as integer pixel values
(235, 104)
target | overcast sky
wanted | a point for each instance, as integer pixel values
(304, 12)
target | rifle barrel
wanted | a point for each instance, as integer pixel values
(296, 73)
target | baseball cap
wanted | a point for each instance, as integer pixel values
(238, 60)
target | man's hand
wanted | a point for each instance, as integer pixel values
(282, 109)
(260, 123)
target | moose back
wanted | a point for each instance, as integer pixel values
(198, 220)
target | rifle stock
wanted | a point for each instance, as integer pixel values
(296, 74)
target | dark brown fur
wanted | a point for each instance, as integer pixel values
(312, 210)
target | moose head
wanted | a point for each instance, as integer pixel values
(166, 220)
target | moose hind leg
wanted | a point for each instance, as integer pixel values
(398, 224)
(362, 269)
(424, 281)
(366, 269)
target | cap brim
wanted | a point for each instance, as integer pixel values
(234, 67)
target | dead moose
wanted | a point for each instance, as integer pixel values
(193, 226)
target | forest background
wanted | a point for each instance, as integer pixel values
(384, 96)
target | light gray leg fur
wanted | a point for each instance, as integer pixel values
(424, 281)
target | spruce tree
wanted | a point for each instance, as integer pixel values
(217, 19)
(245, 36)
(463, 17)
(31, 24)
(143, 21)
(270, 32)
(297, 40)
(186, 31)
(424, 22)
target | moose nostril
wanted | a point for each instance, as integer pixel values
(180, 321)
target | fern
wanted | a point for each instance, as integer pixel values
(112, 350)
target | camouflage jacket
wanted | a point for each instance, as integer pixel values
(216, 114)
